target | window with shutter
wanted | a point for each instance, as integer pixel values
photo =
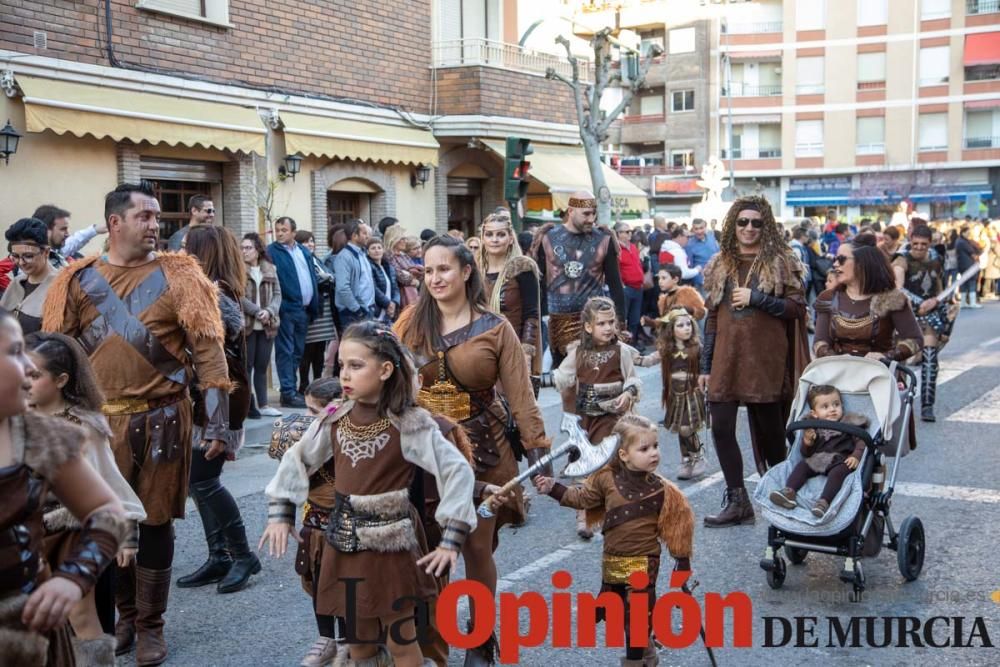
(935, 64)
(933, 131)
(808, 138)
(810, 14)
(871, 135)
(871, 70)
(682, 40)
(209, 11)
(873, 12)
(809, 75)
(934, 9)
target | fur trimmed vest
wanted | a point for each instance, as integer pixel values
(773, 278)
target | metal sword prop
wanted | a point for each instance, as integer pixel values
(591, 458)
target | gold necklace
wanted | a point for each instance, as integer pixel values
(362, 433)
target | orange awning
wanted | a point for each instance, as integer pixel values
(982, 49)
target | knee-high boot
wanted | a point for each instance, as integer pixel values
(222, 506)
(928, 383)
(152, 591)
(125, 601)
(218, 564)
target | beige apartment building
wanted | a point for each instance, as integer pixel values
(851, 104)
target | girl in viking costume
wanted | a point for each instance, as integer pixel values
(597, 378)
(510, 281)
(462, 350)
(638, 510)
(378, 442)
(63, 385)
(38, 455)
(680, 351)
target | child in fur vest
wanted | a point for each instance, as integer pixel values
(825, 451)
(374, 445)
(680, 353)
(638, 510)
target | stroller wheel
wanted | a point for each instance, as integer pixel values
(776, 575)
(910, 551)
(795, 555)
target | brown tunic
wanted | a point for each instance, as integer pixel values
(684, 402)
(152, 448)
(388, 576)
(512, 306)
(883, 323)
(597, 366)
(478, 356)
(753, 360)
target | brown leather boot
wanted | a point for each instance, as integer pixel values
(152, 591)
(736, 509)
(125, 602)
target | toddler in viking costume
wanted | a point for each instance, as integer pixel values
(63, 385)
(825, 451)
(680, 351)
(597, 379)
(375, 445)
(638, 509)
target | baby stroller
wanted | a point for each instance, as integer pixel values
(858, 518)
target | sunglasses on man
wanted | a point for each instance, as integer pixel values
(756, 222)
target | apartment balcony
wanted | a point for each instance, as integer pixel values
(982, 72)
(982, 6)
(758, 28)
(474, 51)
(982, 142)
(748, 90)
(751, 153)
(647, 128)
(653, 170)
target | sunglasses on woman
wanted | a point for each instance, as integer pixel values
(840, 260)
(756, 222)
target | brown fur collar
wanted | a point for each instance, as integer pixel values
(18, 645)
(888, 302)
(522, 264)
(194, 295)
(49, 442)
(773, 279)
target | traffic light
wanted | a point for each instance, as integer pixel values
(516, 169)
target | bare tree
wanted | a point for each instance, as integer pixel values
(593, 122)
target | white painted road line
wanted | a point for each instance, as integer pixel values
(984, 410)
(948, 492)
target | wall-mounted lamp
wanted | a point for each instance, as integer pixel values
(8, 141)
(420, 175)
(293, 163)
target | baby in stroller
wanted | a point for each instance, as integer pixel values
(825, 451)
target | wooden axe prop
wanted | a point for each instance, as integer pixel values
(589, 458)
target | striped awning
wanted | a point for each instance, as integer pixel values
(340, 139)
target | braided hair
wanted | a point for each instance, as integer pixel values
(399, 391)
(61, 354)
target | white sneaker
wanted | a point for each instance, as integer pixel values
(270, 412)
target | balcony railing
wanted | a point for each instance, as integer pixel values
(488, 53)
(982, 6)
(808, 150)
(752, 28)
(653, 170)
(877, 148)
(871, 85)
(644, 118)
(982, 142)
(982, 73)
(747, 90)
(751, 153)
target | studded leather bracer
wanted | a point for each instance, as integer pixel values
(96, 547)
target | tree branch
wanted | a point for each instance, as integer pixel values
(626, 97)
(574, 84)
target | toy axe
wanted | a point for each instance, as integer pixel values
(589, 458)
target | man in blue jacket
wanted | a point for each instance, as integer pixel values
(354, 292)
(299, 306)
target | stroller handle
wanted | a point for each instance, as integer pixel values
(849, 429)
(911, 377)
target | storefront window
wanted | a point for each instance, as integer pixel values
(173, 196)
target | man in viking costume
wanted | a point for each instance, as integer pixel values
(755, 345)
(148, 322)
(576, 261)
(919, 274)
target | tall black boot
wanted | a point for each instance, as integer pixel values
(928, 383)
(219, 563)
(244, 562)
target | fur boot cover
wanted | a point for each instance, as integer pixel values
(18, 645)
(95, 652)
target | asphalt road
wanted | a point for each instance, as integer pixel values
(952, 482)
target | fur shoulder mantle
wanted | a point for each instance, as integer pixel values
(49, 442)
